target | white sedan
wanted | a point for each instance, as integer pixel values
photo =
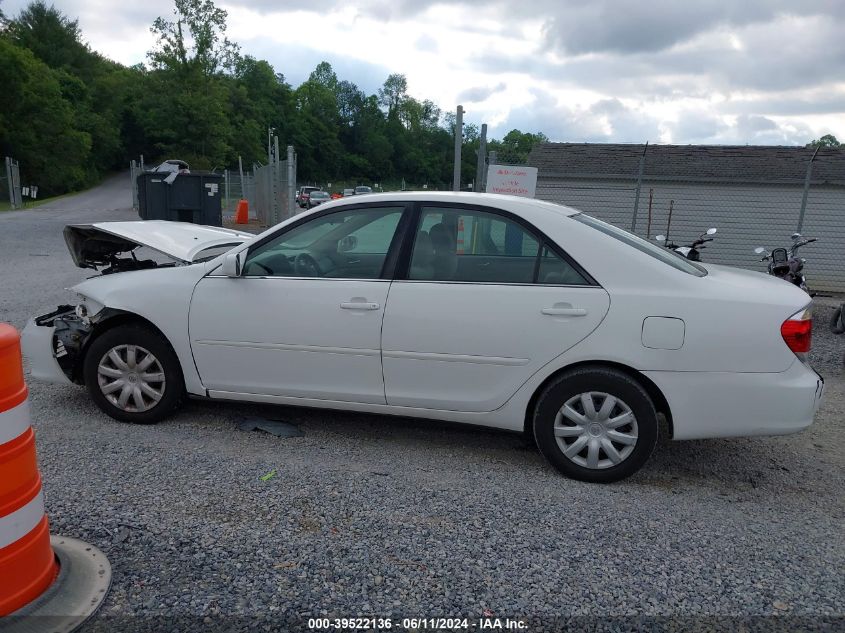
(491, 310)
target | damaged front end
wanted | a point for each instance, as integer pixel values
(55, 343)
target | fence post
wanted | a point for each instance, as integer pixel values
(639, 186)
(806, 191)
(133, 182)
(11, 184)
(291, 194)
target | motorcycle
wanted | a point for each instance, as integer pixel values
(785, 263)
(691, 251)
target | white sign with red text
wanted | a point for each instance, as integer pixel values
(512, 180)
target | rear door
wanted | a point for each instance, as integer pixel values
(484, 301)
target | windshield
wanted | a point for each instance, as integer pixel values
(362, 190)
(658, 252)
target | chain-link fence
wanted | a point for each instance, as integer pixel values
(275, 190)
(238, 185)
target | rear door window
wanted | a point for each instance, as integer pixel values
(469, 245)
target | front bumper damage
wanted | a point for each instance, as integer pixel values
(54, 344)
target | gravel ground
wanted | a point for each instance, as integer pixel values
(395, 518)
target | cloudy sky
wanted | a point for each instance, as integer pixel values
(668, 71)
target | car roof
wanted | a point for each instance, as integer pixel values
(514, 204)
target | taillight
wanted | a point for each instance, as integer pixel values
(797, 332)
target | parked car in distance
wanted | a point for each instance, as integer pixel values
(348, 192)
(317, 198)
(489, 310)
(304, 194)
(361, 189)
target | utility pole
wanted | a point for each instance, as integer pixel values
(481, 169)
(459, 139)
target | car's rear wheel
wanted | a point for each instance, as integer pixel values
(595, 424)
(133, 375)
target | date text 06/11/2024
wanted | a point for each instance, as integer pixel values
(417, 624)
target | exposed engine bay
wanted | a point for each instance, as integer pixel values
(114, 247)
(92, 248)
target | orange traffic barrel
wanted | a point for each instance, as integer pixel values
(32, 574)
(242, 212)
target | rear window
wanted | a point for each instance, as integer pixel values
(319, 194)
(671, 258)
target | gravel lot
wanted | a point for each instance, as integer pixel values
(389, 517)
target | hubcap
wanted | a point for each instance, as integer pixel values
(131, 378)
(596, 430)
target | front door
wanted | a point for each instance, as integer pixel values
(304, 320)
(486, 304)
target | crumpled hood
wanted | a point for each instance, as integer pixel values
(92, 245)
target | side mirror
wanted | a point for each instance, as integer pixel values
(796, 236)
(231, 265)
(759, 250)
(348, 243)
(711, 231)
(660, 238)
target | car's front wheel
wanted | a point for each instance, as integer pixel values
(595, 424)
(133, 375)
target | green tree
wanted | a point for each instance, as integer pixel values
(38, 126)
(828, 140)
(53, 38)
(194, 41)
(515, 146)
(392, 93)
(95, 87)
(189, 99)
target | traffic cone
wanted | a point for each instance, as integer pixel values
(59, 577)
(242, 212)
(460, 240)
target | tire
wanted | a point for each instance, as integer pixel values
(630, 416)
(101, 370)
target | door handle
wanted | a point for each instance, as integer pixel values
(359, 305)
(564, 309)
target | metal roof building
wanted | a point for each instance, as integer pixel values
(754, 195)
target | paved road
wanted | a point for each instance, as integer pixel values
(32, 248)
(374, 516)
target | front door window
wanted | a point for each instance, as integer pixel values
(350, 244)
